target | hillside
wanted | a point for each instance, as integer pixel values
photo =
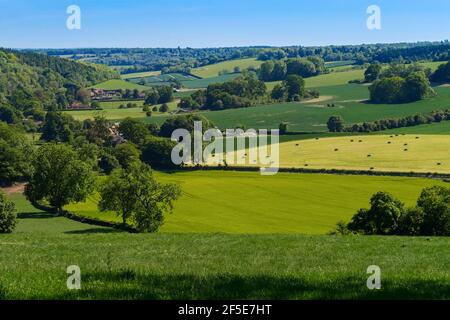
(36, 81)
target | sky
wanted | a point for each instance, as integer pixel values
(218, 23)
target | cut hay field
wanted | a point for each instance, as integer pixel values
(246, 202)
(213, 70)
(403, 153)
(118, 265)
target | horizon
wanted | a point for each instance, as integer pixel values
(218, 24)
(249, 46)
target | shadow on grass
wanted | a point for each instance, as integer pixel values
(35, 215)
(94, 231)
(127, 284)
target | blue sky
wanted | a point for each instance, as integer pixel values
(218, 23)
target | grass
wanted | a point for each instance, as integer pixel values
(140, 74)
(117, 84)
(112, 112)
(406, 153)
(203, 83)
(350, 103)
(163, 80)
(246, 202)
(117, 265)
(335, 64)
(213, 70)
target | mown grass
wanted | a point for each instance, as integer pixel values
(118, 265)
(246, 202)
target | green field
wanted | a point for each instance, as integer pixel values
(343, 63)
(117, 84)
(140, 74)
(203, 83)
(213, 70)
(163, 79)
(349, 103)
(111, 111)
(246, 202)
(118, 265)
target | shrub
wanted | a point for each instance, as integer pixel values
(435, 203)
(164, 108)
(335, 124)
(411, 222)
(381, 218)
(7, 215)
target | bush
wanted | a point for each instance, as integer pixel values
(435, 203)
(164, 108)
(411, 222)
(382, 217)
(335, 124)
(431, 216)
(157, 152)
(7, 215)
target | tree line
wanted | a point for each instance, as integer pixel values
(276, 70)
(76, 158)
(389, 216)
(399, 83)
(337, 124)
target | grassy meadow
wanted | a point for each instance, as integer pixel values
(112, 112)
(246, 202)
(140, 74)
(118, 265)
(350, 103)
(117, 84)
(214, 69)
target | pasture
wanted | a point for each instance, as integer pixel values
(162, 80)
(118, 265)
(117, 84)
(213, 70)
(350, 103)
(140, 74)
(111, 111)
(246, 202)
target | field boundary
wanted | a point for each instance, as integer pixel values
(431, 175)
(86, 220)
